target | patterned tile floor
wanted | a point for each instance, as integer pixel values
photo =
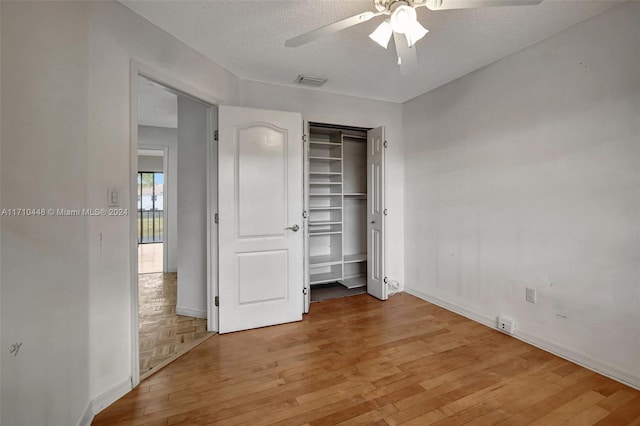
(163, 334)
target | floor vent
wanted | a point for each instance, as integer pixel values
(310, 81)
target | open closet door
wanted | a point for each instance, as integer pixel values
(376, 214)
(307, 285)
(260, 213)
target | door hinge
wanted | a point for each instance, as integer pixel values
(216, 301)
(385, 144)
(385, 212)
(304, 214)
(305, 291)
(304, 138)
(215, 135)
(215, 218)
(385, 280)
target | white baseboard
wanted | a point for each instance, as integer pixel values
(189, 312)
(110, 396)
(87, 416)
(601, 367)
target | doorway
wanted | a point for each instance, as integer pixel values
(171, 231)
(150, 213)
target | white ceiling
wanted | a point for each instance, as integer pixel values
(247, 38)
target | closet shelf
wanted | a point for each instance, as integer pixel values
(325, 222)
(325, 158)
(325, 183)
(355, 194)
(325, 194)
(354, 136)
(325, 143)
(312, 232)
(325, 173)
(353, 258)
(320, 261)
(325, 208)
(354, 282)
(326, 277)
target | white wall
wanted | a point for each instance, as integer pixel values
(116, 36)
(150, 163)
(66, 282)
(526, 173)
(323, 107)
(165, 137)
(44, 264)
(192, 208)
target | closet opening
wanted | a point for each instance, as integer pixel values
(336, 194)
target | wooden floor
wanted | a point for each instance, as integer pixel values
(356, 361)
(163, 334)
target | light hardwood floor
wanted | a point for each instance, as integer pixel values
(357, 360)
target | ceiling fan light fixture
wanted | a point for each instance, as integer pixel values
(402, 18)
(382, 34)
(415, 32)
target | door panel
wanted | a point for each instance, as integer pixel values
(259, 148)
(376, 241)
(260, 198)
(262, 277)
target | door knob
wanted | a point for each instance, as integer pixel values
(294, 228)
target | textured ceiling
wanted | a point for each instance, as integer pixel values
(247, 38)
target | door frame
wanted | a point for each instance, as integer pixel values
(165, 201)
(139, 68)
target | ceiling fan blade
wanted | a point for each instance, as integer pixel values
(331, 28)
(470, 4)
(407, 56)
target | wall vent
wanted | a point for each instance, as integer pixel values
(310, 81)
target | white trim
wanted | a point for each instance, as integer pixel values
(600, 367)
(166, 232)
(110, 396)
(190, 312)
(133, 226)
(87, 416)
(465, 312)
(173, 83)
(138, 68)
(212, 228)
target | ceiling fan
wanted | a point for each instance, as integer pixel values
(402, 23)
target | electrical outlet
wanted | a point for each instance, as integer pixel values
(506, 325)
(530, 295)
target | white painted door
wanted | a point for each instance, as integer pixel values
(260, 214)
(376, 241)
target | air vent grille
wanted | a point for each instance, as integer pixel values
(310, 81)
